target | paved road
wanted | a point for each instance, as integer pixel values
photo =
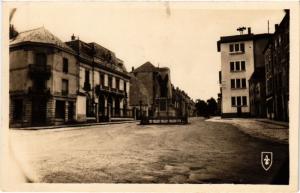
(201, 152)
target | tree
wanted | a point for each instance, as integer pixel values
(201, 107)
(212, 106)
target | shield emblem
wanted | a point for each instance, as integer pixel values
(266, 160)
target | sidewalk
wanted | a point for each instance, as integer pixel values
(72, 125)
(274, 131)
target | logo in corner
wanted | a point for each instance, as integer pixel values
(266, 160)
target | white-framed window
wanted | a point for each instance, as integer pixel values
(237, 66)
(236, 47)
(238, 83)
(238, 101)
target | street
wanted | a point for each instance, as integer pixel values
(200, 152)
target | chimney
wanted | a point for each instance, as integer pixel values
(276, 27)
(73, 37)
(132, 68)
(249, 30)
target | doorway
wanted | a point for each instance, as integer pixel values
(38, 111)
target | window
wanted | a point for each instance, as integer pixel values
(232, 83)
(117, 83)
(237, 65)
(237, 47)
(243, 83)
(65, 87)
(18, 109)
(242, 47)
(243, 66)
(110, 81)
(41, 59)
(231, 47)
(125, 86)
(231, 66)
(238, 83)
(60, 109)
(244, 98)
(233, 101)
(65, 65)
(102, 79)
(238, 101)
(87, 76)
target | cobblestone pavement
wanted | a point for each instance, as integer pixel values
(258, 128)
(201, 152)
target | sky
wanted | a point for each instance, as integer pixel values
(180, 36)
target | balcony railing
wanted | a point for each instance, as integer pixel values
(37, 71)
(101, 88)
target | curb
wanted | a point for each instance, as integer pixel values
(74, 125)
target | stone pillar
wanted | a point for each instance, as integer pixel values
(105, 106)
(66, 111)
(97, 111)
(113, 106)
(109, 111)
(121, 107)
(27, 112)
(50, 116)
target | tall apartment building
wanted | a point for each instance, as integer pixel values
(240, 55)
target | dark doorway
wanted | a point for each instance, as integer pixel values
(38, 111)
(117, 107)
(70, 112)
(239, 111)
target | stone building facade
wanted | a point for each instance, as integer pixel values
(53, 82)
(277, 56)
(240, 55)
(43, 75)
(103, 91)
(257, 93)
(158, 97)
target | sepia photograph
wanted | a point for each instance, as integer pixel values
(150, 93)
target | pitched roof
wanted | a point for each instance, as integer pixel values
(147, 67)
(39, 35)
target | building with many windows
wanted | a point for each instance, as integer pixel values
(103, 85)
(240, 55)
(277, 57)
(53, 82)
(42, 81)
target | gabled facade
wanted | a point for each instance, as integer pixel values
(163, 100)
